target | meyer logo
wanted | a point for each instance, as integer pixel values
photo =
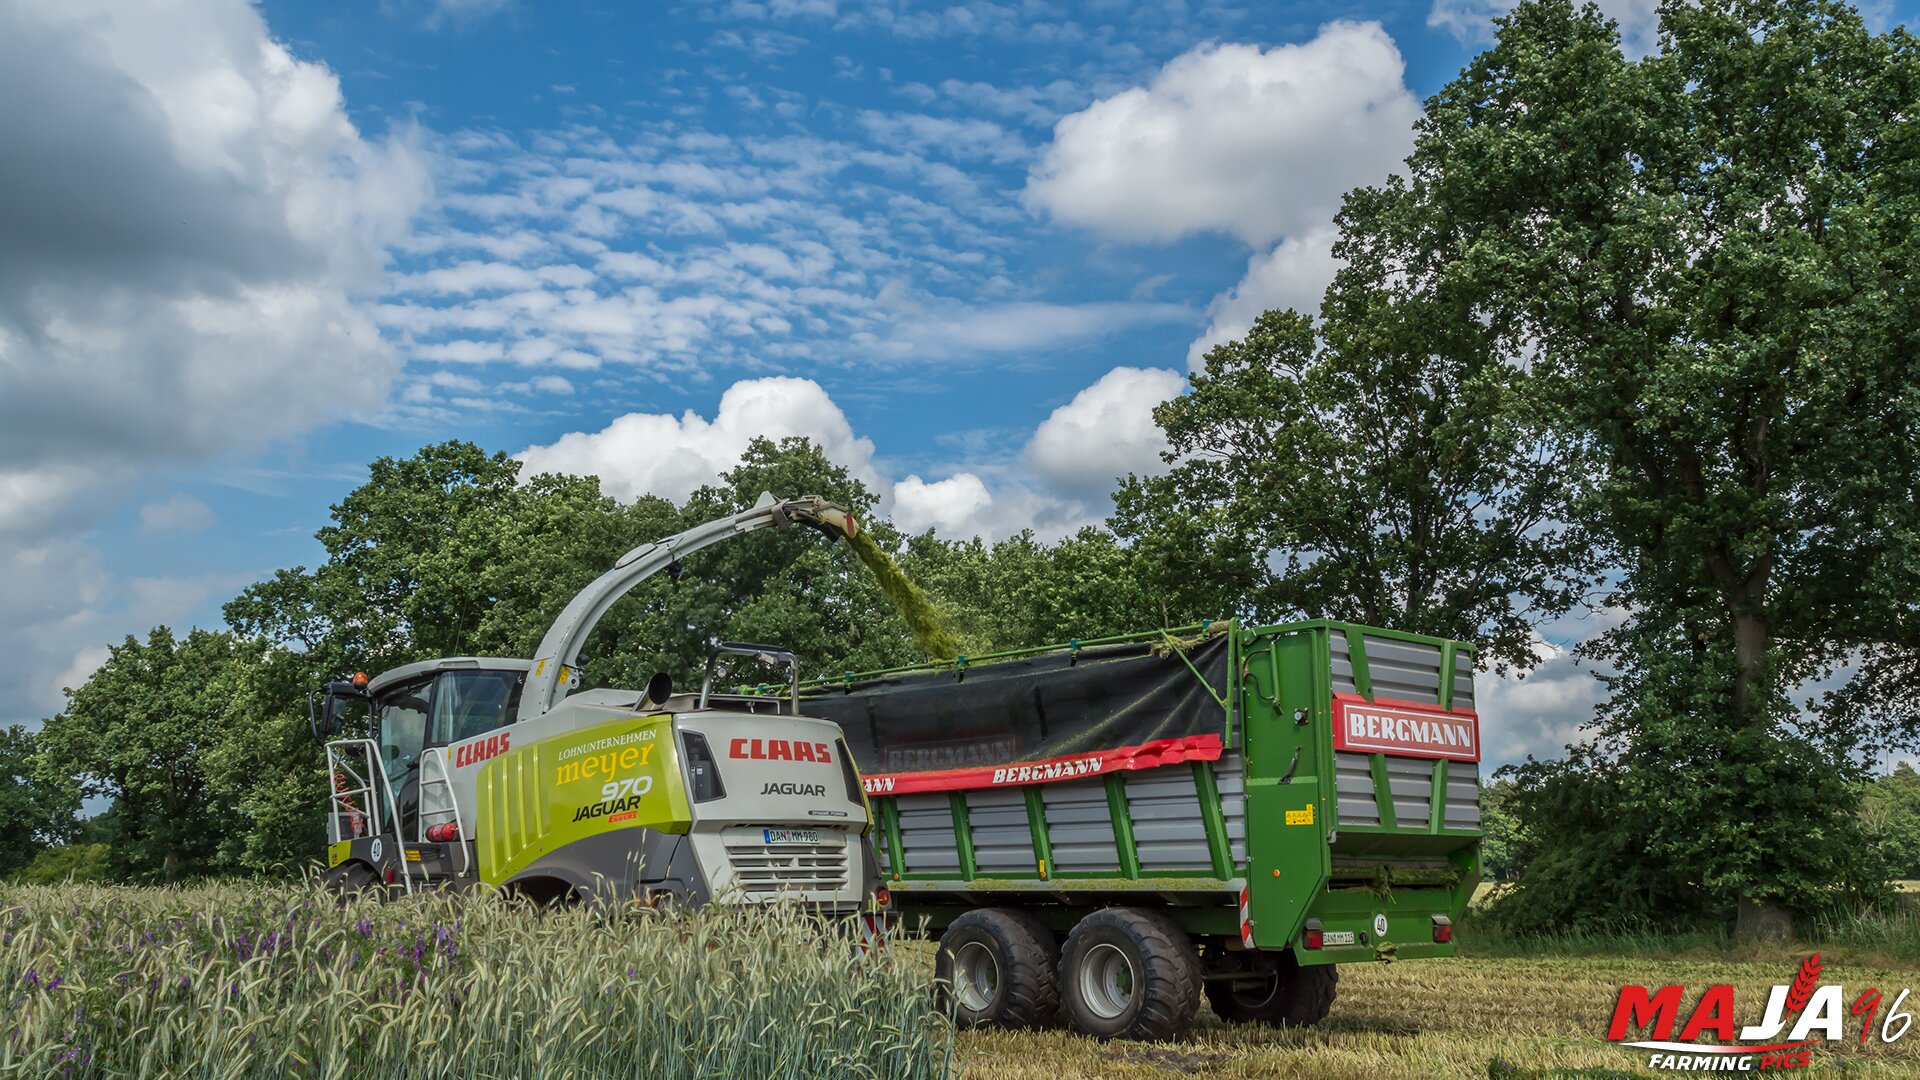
(794, 789)
(474, 753)
(1778, 1041)
(1404, 728)
(606, 763)
(779, 750)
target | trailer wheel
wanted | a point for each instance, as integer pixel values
(1289, 996)
(1129, 974)
(997, 968)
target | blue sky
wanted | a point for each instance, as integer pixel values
(966, 246)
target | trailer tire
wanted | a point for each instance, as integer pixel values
(998, 968)
(1292, 996)
(1129, 974)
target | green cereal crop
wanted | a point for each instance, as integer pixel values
(239, 980)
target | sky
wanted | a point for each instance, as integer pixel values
(966, 247)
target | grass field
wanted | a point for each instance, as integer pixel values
(237, 981)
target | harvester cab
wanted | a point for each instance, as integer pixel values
(503, 772)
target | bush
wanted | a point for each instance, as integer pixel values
(67, 863)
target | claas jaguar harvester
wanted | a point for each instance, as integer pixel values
(1106, 831)
(489, 771)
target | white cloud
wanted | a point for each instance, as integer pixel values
(1256, 143)
(181, 513)
(954, 506)
(180, 283)
(86, 661)
(1293, 275)
(659, 454)
(552, 384)
(1471, 21)
(1059, 484)
(1105, 432)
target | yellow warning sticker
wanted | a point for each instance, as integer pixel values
(413, 855)
(1301, 817)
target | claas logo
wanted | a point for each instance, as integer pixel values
(474, 753)
(779, 750)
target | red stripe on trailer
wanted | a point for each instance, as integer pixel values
(1049, 770)
(1405, 728)
(1246, 920)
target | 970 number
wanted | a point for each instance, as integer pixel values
(620, 789)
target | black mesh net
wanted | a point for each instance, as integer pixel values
(1051, 705)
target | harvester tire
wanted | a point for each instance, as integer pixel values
(1292, 996)
(998, 969)
(1129, 974)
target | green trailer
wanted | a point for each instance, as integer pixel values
(1106, 831)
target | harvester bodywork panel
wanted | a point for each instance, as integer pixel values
(541, 796)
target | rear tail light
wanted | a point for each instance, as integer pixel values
(847, 771)
(1442, 930)
(444, 833)
(703, 772)
(881, 897)
(1313, 938)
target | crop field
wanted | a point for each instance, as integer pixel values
(244, 981)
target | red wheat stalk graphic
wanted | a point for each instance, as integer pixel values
(1803, 984)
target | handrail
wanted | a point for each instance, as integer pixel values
(378, 776)
(438, 756)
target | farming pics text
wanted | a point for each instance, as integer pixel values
(808, 539)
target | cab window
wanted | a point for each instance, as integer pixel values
(469, 703)
(403, 729)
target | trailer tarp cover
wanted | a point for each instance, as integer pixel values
(1050, 705)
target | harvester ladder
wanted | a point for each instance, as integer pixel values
(372, 781)
(434, 775)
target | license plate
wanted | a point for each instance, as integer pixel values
(1337, 937)
(799, 836)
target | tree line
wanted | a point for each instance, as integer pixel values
(1632, 335)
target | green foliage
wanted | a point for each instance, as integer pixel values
(1382, 468)
(35, 814)
(1501, 843)
(1890, 810)
(238, 981)
(139, 732)
(1020, 593)
(66, 864)
(1702, 259)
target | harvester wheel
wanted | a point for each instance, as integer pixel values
(997, 968)
(1129, 974)
(1290, 996)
